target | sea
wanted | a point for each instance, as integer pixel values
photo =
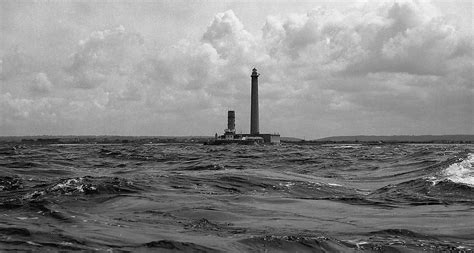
(237, 198)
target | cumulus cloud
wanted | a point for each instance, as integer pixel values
(41, 84)
(14, 63)
(371, 66)
(22, 116)
(228, 37)
(405, 36)
(104, 53)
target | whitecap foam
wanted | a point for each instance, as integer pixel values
(461, 172)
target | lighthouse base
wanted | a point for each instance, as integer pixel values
(246, 139)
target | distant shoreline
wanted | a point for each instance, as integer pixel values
(399, 139)
(359, 139)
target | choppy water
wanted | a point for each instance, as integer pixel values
(285, 198)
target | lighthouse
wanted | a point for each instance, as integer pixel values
(254, 129)
(254, 137)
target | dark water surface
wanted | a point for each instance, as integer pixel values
(287, 198)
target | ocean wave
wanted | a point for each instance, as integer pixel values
(91, 185)
(203, 225)
(295, 243)
(176, 246)
(461, 172)
(255, 185)
(205, 166)
(8, 183)
(16, 195)
(21, 164)
(307, 198)
(404, 240)
(422, 191)
(36, 240)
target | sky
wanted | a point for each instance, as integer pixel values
(149, 68)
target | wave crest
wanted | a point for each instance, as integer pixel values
(461, 172)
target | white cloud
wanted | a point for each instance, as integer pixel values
(22, 116)
(229, 38)
(103, 54)
(41, 84)
(404, 36)
(370, 66)
(14, 63)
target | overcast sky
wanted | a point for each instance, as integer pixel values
(176, 67)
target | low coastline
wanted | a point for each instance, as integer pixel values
(368, 140)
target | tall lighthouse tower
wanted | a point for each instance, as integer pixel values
(254, 129)
(254, 137)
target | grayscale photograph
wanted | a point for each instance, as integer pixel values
(236, 126)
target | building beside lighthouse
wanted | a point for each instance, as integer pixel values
(254, 137)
